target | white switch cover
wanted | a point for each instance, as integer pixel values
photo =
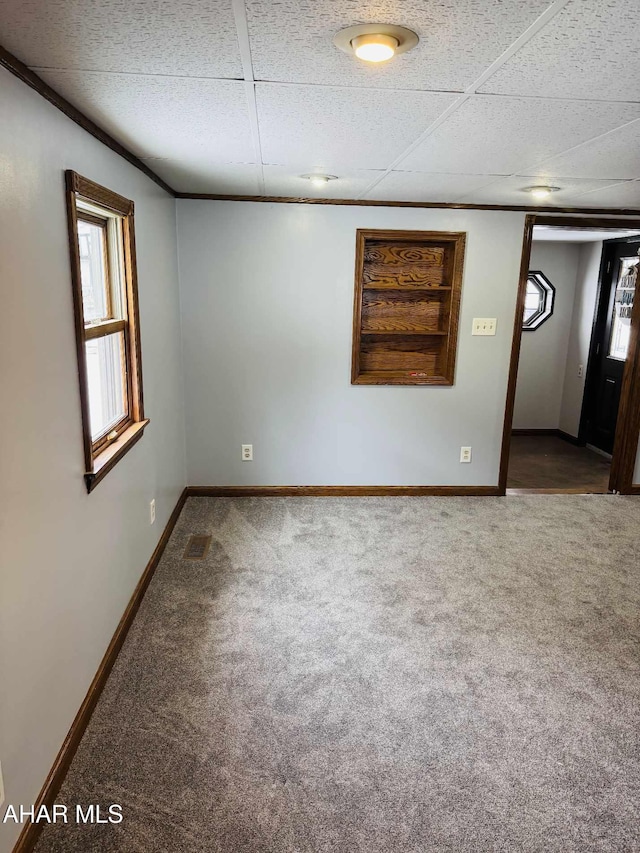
(247, 452)
(465, 454)
(1, 787)
(484, 326)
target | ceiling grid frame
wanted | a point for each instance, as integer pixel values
(587, 177)
(526, 36)
(242, 28)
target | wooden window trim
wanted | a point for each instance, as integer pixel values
(101, 455)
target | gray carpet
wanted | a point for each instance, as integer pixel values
(377, 675)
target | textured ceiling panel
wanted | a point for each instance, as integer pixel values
(291, 40)
(328, 129)
(511, 190)
(589, 50)
(194, 37)
(279, 180)
(420, 186)
(616, 155)
(505, 135)
(202, 176)
(622, 195)
(173, 117)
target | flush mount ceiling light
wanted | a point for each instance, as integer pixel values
(541, 192)
(319, 180)
(375, 42)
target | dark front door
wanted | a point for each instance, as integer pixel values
(610, 342)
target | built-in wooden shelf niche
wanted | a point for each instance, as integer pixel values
(407, 301)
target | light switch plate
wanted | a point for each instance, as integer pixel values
(484, 326)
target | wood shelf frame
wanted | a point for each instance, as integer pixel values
(406, 307)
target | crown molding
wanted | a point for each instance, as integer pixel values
(520, 208)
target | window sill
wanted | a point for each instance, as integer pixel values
(106, 460)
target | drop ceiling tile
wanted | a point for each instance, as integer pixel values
(621, 195)
(420, 186)
(344, 128)
(589, 50)
(195, 37)
(282, 181)
(203, 176)
(291, 40)
(512, 190)
(616, 155)
(502, 135)
(172, 117)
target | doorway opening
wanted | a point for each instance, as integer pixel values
(570, 424)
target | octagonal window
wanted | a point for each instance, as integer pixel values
(538, 302)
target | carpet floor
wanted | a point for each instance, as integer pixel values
(376, 675)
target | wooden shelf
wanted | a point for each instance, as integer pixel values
(410, 281)
(416, 332)
(406, 288)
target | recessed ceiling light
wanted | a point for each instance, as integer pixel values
(541, 192)
(319, 180)
(375, 42)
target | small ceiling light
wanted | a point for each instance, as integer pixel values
(374, 48)
(319, 180)
(375, 42)
(541, 192)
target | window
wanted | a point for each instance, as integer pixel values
(106, 308)
(622, 308)
(538, 301)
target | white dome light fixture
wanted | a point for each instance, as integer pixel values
(540, 193)
(319, 180)
(375, 42)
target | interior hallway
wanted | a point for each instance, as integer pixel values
(549, 462)
(376, 675)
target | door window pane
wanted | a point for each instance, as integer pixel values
(106, 377)
(93, 270)
(622, 308)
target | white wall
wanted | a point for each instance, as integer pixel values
(267, 298)
(543, 354)
(69, 561)
(580, 336)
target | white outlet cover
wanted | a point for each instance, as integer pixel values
(247, 452)
(152, 511)
(465, 454)
(1, 786)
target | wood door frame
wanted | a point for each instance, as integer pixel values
(628, 426)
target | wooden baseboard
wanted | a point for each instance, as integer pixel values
(31, 831)
(635, 490)
(339, 491)
(558, 433)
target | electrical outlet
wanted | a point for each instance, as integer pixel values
(247, 452)
(152, 511)
(1, 786)
(465, 454)
(580, 370)
(484, 326)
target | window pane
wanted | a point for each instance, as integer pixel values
(622, 308)
(533, 300)
(107, 383)
(95, 285)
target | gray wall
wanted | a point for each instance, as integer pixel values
(543, 355)
(69, 561)
(267, 299)
(580, 336)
